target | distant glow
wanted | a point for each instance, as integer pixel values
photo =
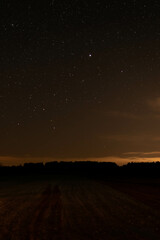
(9, 160)
(90, 55)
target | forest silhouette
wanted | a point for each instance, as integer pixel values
(93, 169)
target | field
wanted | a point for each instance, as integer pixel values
(79, 209)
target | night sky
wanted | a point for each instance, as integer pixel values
(79, 80)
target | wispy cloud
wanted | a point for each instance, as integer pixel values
(127, 138)
(121, 114)
(154, 104)
(132, 138)
(151, 154)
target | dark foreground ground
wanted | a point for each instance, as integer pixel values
(73, 208)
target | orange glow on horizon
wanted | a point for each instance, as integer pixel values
(10, 161)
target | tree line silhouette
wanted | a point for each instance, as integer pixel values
(93, 169)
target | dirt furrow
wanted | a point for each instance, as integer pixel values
(46, 220)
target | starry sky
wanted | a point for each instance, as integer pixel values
(79, 80)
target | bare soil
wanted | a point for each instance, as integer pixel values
(78, 209)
